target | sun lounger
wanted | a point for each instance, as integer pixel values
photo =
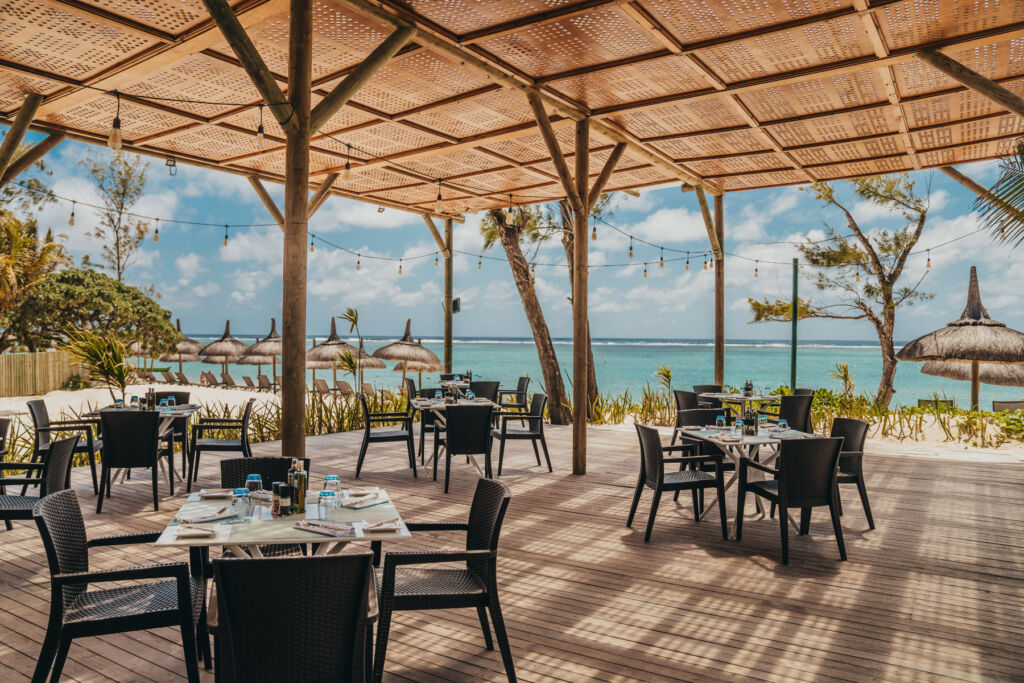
(226, 380)
(248, 382)
(211, 381)
(182, 379)
(320, 387)
(265, 383)
(368, 389)
(168, 377)
(343, 388)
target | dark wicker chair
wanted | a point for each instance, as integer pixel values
(517, 396)
(202, 443)
(315, 629)
(851, 460)
(803, 392)
(54, 475)
(534, 430)
(795, 410)
(179, 426)
(402, 433)
(410, 387)
(805, 478)
(467, 432)
(5, 428)
(233, 471)
(685, 400)
(488, 390)
(47, 428)
(76, 612)
(693, 479)
(428, 418)
(708, 389)
(404, 586)
(132, 439)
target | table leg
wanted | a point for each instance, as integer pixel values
(242, 551)
(735, 457)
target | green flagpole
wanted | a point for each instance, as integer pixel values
(792, 349)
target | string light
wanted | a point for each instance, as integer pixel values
(857, 275)
(480, 262)
(346, 175)
(399, 266)
(711, 263)
(705, 261)
(114, 138)
(359, 262)
(687, 261)
(225, 236)
(509, 201)
(437, 204)
(929, 264)
(1002, 232)
(593, 231)
(755, 268)
(311, 247)
(435, 260)
(661, 259)
(156, 231)
(71, 220)
(172, 166)
(259, 130)
(631, 247)
(645, 270)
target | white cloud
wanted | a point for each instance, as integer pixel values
(189, 266)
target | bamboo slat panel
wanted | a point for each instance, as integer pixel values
(32, 374)
(691, 80)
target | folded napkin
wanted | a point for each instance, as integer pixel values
(223, 513)
(356, 493)
(189, 531)
(383, 525)
(731, 439)
(262, 496)
(365, 501)
(215, 493)
(327, 529)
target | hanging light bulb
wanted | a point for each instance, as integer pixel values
(857, 276)
(929, 264)
(1002, 232)
(687, 261)
(661, 259)
(436, 261)
(593, 232)
(645, 271)
(259, 130)
(480, 263)
(755, 268)
(437, 204)
(399, 266)
(711, 263)
(114, 138)
(346, 175)
(630, 247)
(71, 220)
(311, 247)
(156, 231)
(359, 262)
(510, 205)
(225, 236)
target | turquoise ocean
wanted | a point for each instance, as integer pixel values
(629, 364)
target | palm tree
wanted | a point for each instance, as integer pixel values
(1002, 209)
(511, 228)
(24, 261)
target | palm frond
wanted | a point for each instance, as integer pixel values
(1002, 212)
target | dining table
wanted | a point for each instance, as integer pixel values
(168, 414)
(207, 519)
(438, 408)
(764, 446)
(740, 402)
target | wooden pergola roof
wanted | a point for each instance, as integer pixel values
(725, 94)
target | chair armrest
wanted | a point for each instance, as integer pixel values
(680, 447)
(81, 422)
(747, 462)
(505, 417)
(200, 428)
(437, 526)
(15, 481)
(388, 416)
(392, 560)
(126, 539)
(22, 465)
(714, 457)
(173, 570)
(220, 421)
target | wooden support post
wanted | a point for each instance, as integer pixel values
(296, 208)
(321, 194)
(267, 200)
(233, 31)
(38, 151)
(551, 141)
(720, 291)
(448, 272)
(602, 178)
(580, 323)
(986, 87)
(978, 189)
(9, 147)
(441, 245)
(358, 77)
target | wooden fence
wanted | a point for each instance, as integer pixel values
(32, 374)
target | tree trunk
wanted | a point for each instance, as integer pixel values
(568, 243)
(558, 405)
(885, 339)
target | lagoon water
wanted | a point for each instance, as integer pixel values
(628, 364)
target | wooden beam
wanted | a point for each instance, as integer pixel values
(720, 291)
(532, 20)
(602, 179)
(449, 243)
(351, 84)
(437, 236)
(985, 87)
(296, 234)
(321, 195)
(15, 134)
(38, 151)
(709, 223)
(261, 76)
(978, 189)
(267, 200)
(580, 320)
(551, 141)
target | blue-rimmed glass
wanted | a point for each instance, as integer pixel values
(163, 403)
(470, 395)
(720, 421)
(332, 482)
(119, 403)
(241, 503)
(738, 426)
(254, 482)
(327, 503)
(171, 401)
(783, 423)
(437, 395)
(135, 401)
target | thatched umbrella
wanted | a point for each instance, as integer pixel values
(258, 361)
(180, 358)
(325, 354)
(186, 351)
(268, 347)
(406, 349)
(1002, 374)
(186, 345)
(225, 350)
(414, 366)
(972, 339)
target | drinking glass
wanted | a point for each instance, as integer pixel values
(327, 502)
(119, 403)
(254, 482)
(171, 401)
(738, 426)
(135, 401)
(332, 482)
(242, 503)
(437, 395)
(720, 421)
(470, 395)
(163, 403)
(783, 423)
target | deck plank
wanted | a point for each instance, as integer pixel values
(933, 593)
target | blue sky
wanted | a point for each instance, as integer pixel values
(203, 283)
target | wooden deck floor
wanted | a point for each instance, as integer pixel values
(935, 592)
